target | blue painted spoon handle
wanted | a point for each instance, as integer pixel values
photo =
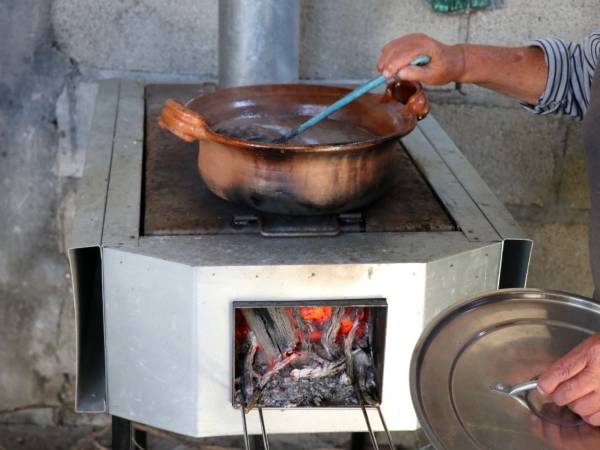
(420, 60)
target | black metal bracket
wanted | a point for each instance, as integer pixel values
(126, 437)
(301, 226)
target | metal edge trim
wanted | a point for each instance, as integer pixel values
(359, 302)
(457, 201)
(124, 195)
(487, 202)
(92, 193)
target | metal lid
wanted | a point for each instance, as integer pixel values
(509, 337)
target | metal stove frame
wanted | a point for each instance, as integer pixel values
(119, 312)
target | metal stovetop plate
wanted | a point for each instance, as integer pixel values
(507, 336)
(177, 202)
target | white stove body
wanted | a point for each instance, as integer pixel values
(156, 346)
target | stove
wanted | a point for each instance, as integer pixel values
(191, 310)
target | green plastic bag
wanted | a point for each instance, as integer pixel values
(448, 6)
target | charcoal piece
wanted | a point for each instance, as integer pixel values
(328, 369)
(364, 382)
(274, 330)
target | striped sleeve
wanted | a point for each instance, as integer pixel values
(571, 69)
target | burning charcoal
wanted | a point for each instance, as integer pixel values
(313, 322)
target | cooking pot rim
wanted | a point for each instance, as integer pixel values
(298, 148)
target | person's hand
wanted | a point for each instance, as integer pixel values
(447, 62)
(582, 437)
(574, 380)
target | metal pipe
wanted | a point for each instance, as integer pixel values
(258, 41)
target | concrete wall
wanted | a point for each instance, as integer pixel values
(52, 52)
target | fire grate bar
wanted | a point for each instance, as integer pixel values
(265, 436)
(387, 431)
(245, 428)
(263, 429)
(371, 432)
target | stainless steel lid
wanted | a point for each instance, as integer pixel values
(509, 337)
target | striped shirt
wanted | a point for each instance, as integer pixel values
(571, 69)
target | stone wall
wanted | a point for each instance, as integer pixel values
(52, 53)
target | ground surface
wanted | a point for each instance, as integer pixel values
(33, 437)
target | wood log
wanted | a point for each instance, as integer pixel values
(330, 333)
(275, 332)
(348, 344)
(304, 332)
(248, 374)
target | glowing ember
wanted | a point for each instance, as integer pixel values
(315, 335)
(316, 313)
(241, 328)
(346, 322)
(345, 325)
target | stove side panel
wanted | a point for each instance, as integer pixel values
(149, 334)
(458, 277)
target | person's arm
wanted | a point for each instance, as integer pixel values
(548, 76)
(518, 72)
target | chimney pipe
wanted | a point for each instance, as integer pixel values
(258, 41)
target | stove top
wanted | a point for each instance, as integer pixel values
(177, 202)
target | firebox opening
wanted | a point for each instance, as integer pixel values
(291, 354)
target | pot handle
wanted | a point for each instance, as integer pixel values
(411, 95)
(182, 121)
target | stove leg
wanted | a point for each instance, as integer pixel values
(123, 435)
(360, 441)
(141, 438)
(256, 441)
